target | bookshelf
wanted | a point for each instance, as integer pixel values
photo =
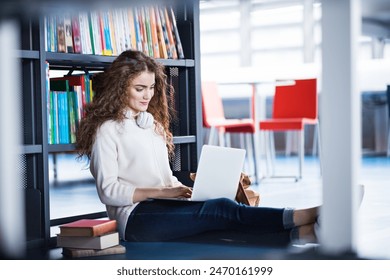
(184, 74)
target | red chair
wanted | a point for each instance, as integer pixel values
(214, 119)
(294, 106)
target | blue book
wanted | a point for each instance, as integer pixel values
(54, 112)
(137, 30)
(63, 117)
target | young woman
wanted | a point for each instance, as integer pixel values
(125, 135)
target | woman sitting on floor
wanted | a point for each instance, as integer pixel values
(125, 135)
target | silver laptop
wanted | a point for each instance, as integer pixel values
(218, 173)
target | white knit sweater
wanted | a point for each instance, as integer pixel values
(125, 157)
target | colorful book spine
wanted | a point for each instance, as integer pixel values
(53, 34)
(95, 33)
(153, 28)
(148, 31)
(68, 34)
(138, 33)
(126, 31)
(150, 28)
(47, 32)
(61, 47)
(113, 32)
(76, 34)
(49, 116)
(133, 37)
(63, 117)
(72, 117)
(179, 46)
(54, 110)
(107, 47)
(169, 28)
(160, 35)
(165, 33)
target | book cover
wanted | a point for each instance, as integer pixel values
(68, 34)
(171, 40)
(61, 47)
(83, 253)
(164, 32)
(160, 35)
(86, 242)
(76, 34)
(88, 227)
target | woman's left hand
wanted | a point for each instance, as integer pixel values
(173, 192)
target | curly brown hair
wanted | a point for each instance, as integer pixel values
(111, 98)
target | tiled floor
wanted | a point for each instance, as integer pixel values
(72, 198)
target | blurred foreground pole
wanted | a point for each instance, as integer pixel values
(341, 121)
(12, 214)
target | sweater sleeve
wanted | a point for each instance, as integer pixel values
(104, 168)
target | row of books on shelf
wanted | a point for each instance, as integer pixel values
(89, 237)
(66, 98)
(150, 29)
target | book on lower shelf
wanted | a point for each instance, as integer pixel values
(88, 227)
(83, 253)
(86, 242)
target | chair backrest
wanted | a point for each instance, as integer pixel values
(212, 106)
(296, 101)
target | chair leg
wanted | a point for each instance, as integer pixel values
(256, 157)
(315, 140)
(301, 151)
(267, 152)
(212, 134)
(245, 144)
(228, 139)
(319, 146)
(221, 138)
(288, 143)
(272, 150)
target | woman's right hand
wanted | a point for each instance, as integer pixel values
(141, 194)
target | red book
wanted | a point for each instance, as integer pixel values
(76, 35)
(88, 227)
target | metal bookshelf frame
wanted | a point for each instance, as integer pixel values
(36, 150)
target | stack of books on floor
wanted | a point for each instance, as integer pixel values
(89, 237)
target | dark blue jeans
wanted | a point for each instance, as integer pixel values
(162, 220)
